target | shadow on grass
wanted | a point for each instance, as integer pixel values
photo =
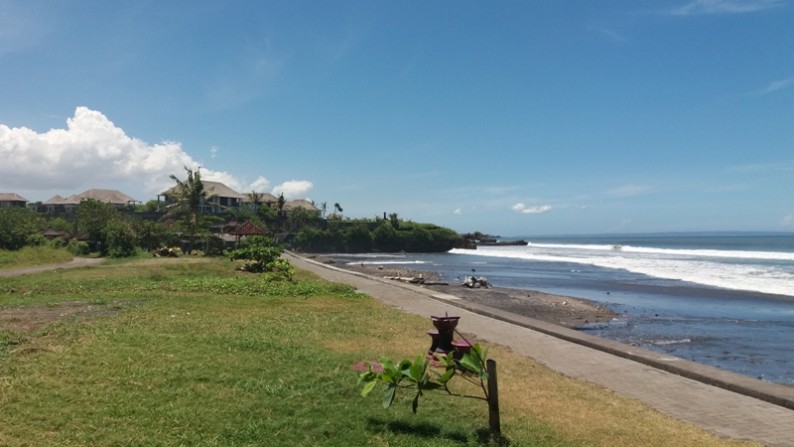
(485, 437)
(427, 430)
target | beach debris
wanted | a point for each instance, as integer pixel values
(474, 283)
(165, 252)
(420, 279)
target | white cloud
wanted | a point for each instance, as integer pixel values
(220, 176)
(457, 211)
(788, 221)
(521, 208)
(92, 152)
(214, 151)
(293, 189)
(704, 7)
(775, 86)
(260, 184)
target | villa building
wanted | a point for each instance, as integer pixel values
(9, 199)
(58, 204)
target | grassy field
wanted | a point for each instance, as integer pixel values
(32, 256)
(173, 352)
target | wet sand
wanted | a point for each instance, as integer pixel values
(556, 309)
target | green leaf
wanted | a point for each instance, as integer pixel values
(470, 363)
(448, 374)
(416, 371)
(388, 395)
(368, 387)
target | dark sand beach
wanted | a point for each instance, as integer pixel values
(556, 309)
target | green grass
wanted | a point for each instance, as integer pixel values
(188, 352)
(32, 256)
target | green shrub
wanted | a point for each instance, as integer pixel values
(262, 256)
(77, 248)
(119, 239)
(57, 242)
(36, 240)
(16, 226)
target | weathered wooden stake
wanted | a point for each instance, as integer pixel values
(493, 398)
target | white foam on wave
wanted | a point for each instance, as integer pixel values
(672, 342)
(368, 255)
(406, 262)
(736, 254)
(756, 275)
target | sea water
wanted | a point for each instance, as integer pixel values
(726, 300)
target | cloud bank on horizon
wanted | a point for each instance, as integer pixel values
(92, 152)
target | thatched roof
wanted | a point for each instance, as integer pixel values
(301, 203)
(100, 195)
(212, 189)
(265, 197)
(11, 197)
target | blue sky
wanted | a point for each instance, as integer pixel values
(514, 118)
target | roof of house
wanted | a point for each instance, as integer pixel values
(11, 197)
(212, 189)
(101, 195)
(220, 190)
(264, 197)
(300, 203)
(249, 229)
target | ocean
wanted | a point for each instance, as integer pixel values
(725, 300)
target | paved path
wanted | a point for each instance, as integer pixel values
(74, 263)
(716, 409)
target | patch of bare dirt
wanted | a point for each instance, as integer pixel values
(74, 263)
(32, 318)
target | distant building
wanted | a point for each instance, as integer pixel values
(301, 203)
(9, 199)
(58, 204)
(265, 199)
(219, 197)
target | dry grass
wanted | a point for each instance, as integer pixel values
(579, 412)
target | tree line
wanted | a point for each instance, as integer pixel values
(110, 231)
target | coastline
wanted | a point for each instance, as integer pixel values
(565, 311)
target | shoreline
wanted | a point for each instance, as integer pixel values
(565, 311)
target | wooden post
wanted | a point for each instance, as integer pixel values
(493, 398)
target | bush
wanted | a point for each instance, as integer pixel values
(215, 246)
(36, 240)
(57, 242)
(77, 248)
(262, 256)
(17, 225)
(119, 239)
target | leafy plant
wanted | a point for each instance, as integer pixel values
(262, 256)
(418, 375)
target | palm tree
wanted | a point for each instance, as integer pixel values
(255, 198)
(337, 207)
(281, 202)
(189, 195)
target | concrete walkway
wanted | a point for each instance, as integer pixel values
(747, 413)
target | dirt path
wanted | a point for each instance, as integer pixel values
(74, 263)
